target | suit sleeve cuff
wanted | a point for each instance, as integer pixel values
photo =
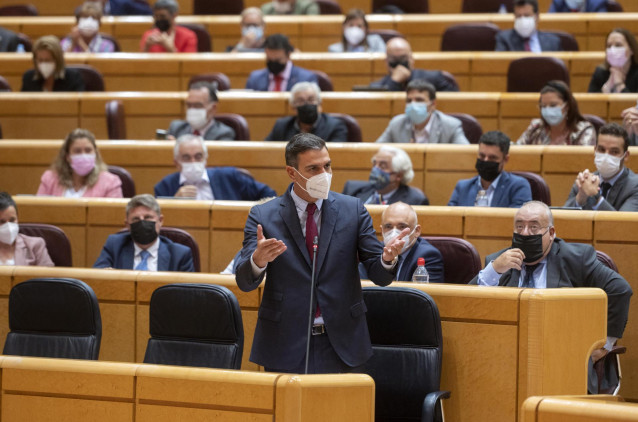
(256, 269)
(391, 265)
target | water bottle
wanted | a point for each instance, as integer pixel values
(20, 48)
(481, 199)
(502, 9)
(420, 274)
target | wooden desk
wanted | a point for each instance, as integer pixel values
(578, 409)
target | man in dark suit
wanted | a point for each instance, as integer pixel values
(578, 6)
(493, 187)
(142, 248)
(539, 259)
(613, 187)
(305, 100)
(201, 106)
(126, 7)
(194, 180)
(401, 70)
(278, 240)
(280, 74)
(525, 36)
(8, 40)
(389, 178)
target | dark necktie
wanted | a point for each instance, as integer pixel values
(311, 227)
(526, 44)
(605, 189)
(529, 272)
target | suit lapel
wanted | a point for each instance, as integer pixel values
(400, 195)
(553, 266)
(329, 214)
(615, 190)
(289, 216)
(497, 200)
(435, 130)
(128, 254)
(163, 257)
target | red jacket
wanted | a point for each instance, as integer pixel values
(185, 41)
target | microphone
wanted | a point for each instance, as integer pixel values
(311, 313)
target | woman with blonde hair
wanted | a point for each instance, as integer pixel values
(79, 171)
(49, 72)
(85, 36)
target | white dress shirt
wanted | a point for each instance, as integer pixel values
(151, 262)
(204, 190)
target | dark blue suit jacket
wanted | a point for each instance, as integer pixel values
(227, 183)
(328, 128)
(129, 7)
(435, 77)
(258, 79)
(509, 40)
(591, 6)
(118, 252)
(346, 237)
(362, 189)
(512, 192)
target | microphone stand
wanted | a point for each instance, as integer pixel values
(311, 314)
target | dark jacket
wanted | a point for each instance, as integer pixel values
(362, 189)
(601, 75)
(328, 128)
(72, 81)
(435, 77)
(510, 40)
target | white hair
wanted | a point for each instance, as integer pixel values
(305, 86)
(401, 163)
(187, 138)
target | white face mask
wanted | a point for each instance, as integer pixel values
(318, 185)
(9, 232)
(196, 117)
(46, 69)
(392, 234)
(616, 56)
(607, 165)
(525, 26)
(193, 172)
(282, 7)
(88, 26)
(354, 35)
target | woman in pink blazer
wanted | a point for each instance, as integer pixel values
(79, 171)
(15, 248)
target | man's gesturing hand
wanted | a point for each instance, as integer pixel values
(393, 249)
(267, 249)
(511, 258)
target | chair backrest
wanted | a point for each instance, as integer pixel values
(329, 7)
(323, 80)
(486, 6)
(530, 74)
(222, 81)
(237, 122)
(598, 122)
(614, 6)
(203, 37)
(540, 189)
(58, 244)
(405, 331)
(25, 41)
(93, 80)
(116, 44)
(455, 251)
(408, 6)
(128, 184)
(386, 34)
(1, 132)
(54, 318)
(4, 84)
(115, 119)
(567, 40)
(19, 10)
(450, 78)
(217, 7)
(606, 260)
(470, 37)
(195, 325)
(354, 130)
(471, 127)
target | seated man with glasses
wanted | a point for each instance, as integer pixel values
(305, 101)
(539, 259)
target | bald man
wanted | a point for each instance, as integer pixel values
(401, 70)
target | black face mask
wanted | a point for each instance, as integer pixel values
(143, 232)
(395, 63)
(531, 245)
(163, 25)
(275, 67)
(307, 113)
(488, 170)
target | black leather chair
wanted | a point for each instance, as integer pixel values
(195, 325)
(456, 251)
(217, 7)
(540, 189)
(450, 78)
(567, 40)
(354, 130)
(614, 6)
(606, 260)
(222, 81)
(408, 6)
(598, 122)
(407, 344)
(470, 37)
(329, 7)
(19, 10)
(115, 119)
(128, 184)
(58, 244)
(1, 137)
(54, 318)
(530, 74)
(386, 34)
(93, 80)
(237, 122)
(323, 80)
(183, 238)
(4, 85)
(486, 6)
(471, 127)
(203, 37)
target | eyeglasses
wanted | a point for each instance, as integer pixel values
(311, 101)
(533, 229)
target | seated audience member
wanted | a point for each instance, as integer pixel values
(78, 171)
(280, 74)
(396, 218)
(252, 32)
(613, 187)
(619, 72)
(168, 37)
(422, 122)
(356, 38)
(194, 180)
(401, 71)
(492, 187)
(126, 7)
(290, 7)
(305, 100)
(578, 6)
(84, 36)
(630, 123)
(8, 40)
(16, 248)
(561, 123)
(50, 72)
(142, 248)
(525, 36)
(389, 178)
(539, 259)
(201, 106)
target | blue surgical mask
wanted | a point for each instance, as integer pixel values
(379, 179)
(417, 112)
(257, 30)
(552, 115)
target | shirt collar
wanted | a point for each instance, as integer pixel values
(153, 249)
(616, 177)
(388, 195)
(494, 183)
(285, 74)
(302, 204)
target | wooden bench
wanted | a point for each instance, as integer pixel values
(578, 409)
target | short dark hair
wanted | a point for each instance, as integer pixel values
(278, 42)
(7, 201)
(496, 137)
(300, 143)
(533, 3)
(212, 91)
(422, 86)
(612, 129)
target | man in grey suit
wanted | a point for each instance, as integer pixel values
(524, 36)
(422, 122)
(201, 106)
(613, 187)
(8, 40)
